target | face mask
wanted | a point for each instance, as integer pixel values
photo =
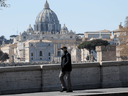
(62, 51)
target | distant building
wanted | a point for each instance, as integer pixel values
(9, 49)
(111, 36)
(105, 34)
(42, 42)
(115, 35)
(33, 51)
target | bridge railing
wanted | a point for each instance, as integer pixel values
(45, 77)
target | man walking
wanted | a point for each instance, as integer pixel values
(66, 69)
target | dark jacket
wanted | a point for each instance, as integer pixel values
(66, 62)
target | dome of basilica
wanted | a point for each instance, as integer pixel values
(30, 29)
(64, 28)
(47, 15)
(47, 20)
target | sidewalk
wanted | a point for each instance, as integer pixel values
(93, 92)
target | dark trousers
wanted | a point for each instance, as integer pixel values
(61, 76)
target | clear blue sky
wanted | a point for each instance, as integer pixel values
(78, 15)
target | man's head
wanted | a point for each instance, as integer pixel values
(64, 48)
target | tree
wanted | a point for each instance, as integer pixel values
(3, 4)
(87, 58)
(91, 45)
(123, 38)
(126, 22)
(1, 53)
(3, 56)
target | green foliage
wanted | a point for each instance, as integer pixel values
(1, 53)
(90, 45)
(3, 56)
(87, 58)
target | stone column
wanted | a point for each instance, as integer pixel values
(12, 59)
(54, 49)
(43, 54)
(57, 49)
(83, 55)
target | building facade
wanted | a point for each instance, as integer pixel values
(42, 42)
(105, 34)
(111, 36)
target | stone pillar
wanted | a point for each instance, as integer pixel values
(52, 58)
(58, 47)
(83, 54)
(54, 49)
(91, 57)
(12, 59)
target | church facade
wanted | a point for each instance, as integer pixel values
(42, 42)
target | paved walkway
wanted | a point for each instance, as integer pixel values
(101, 92)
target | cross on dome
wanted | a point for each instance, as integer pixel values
(46, 6)
(29, 25)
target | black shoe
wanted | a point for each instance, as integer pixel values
(64, 89)
(69, 91)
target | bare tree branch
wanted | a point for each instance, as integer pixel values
(123, 38)
(3, 4)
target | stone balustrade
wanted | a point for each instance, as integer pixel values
(38, 78)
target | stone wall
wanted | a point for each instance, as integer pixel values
(45, 77)
(82, 76)
(114, 74)
(107, 53)
(20, 79)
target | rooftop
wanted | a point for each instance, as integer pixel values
(37, 41)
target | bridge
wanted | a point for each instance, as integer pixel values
(87, 92)
(87, 78)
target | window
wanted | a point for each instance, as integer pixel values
(40, 58)
(70, 36)
(31, 54)
(31, 58)
(59, 54)
(40, 53)
(49, 58)
(59, 45)
(31, 44)
(48, 44)
(24, 37)
(49, 54)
